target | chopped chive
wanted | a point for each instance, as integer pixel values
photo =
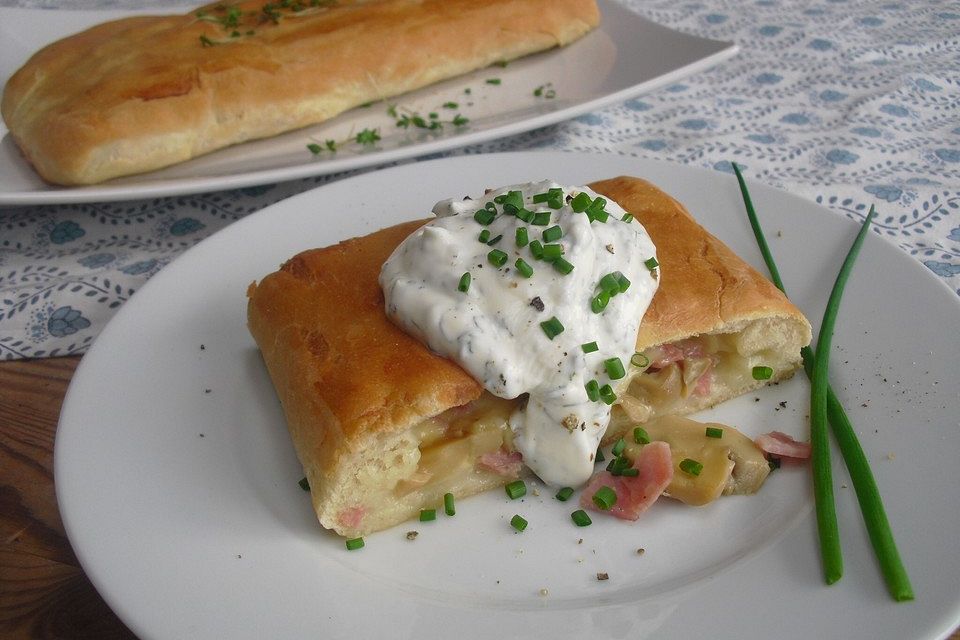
(605, 497)
(593, 390)
(518, 522)
(304, 484)
(451, 105)
(464, 284)
(541, 218)
(607, 394)
(525, 269)
(552, 251)
(540, 197)
(536, 249)
(354, 543)
(640, 360)
(590, 347)
(622, 281)
(627, 218)
(459, 120)
(426, 515)
(651, 264)
(596, 210)
(552, 327)
(514, 199)
(484, 236)
(484, 216)
(562, 266)
(599, 457)
(713, 432)
(631, 472)
(618, 465)
(314, 148)
(494, 241)
(493, 80)
(500, 198)
(524, 214)
(368, 136)
(564, 494)
(497, 258)
(580, 202)
(516, 489)
(490, 206)
(614, 368)
(599, 302)
(762, 373)
(618, 447)
(690, 466)
(522, 237)
(610, 284)
(448, 506)
(580, 518)
(640, 435)
(552, 234)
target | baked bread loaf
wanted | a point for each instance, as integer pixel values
(384, 428)
(142, 93)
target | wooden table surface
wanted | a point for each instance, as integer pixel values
(43, 591)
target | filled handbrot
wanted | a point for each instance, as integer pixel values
(385, 427)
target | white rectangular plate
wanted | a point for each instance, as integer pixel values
(626, 56)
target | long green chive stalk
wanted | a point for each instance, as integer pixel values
(819, 441)
(864, 484)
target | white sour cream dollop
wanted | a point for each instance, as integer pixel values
(493, 330)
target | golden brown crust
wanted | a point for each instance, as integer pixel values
(321, 315)
(704, 286)
(348, 379)
(142, 93)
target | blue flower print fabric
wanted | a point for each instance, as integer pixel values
(849, 103)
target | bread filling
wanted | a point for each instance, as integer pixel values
(473, 443)
(691, 374)
(469, 449)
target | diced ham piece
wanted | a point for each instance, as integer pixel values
(634, 494)
(691, 348)
(502, 462)
(780, 445)
(351, 517)
(663, 355)
(704, 383)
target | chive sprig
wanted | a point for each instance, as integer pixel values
(864, 484)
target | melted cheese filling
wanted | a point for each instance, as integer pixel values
(443, 454)
(451, 444)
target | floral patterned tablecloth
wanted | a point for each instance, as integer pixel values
(846, 102)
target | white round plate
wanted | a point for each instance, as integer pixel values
(177, 481)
